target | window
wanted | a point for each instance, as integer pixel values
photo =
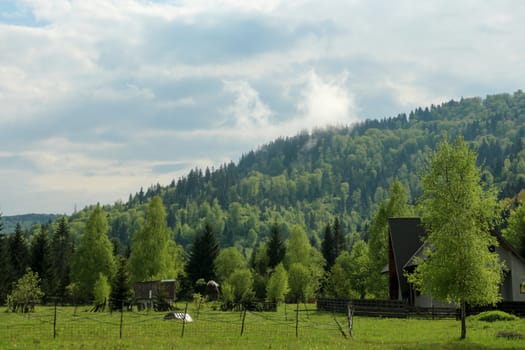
(522, 288)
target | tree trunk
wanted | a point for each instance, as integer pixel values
(463, 315)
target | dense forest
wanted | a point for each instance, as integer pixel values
(332, 182)
(312, 178)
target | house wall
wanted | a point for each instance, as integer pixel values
(515, 275)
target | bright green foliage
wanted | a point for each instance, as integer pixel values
(149, 257)
(228, 261)
(339, 285)
(395, 206)
(457, 214)
(94, 254)
(301, 284)
(277, 286)
(241, 282)
(515, 230)
(359, 274)
(101, 290)
(26, 293)
(349, 277)
(297, 248)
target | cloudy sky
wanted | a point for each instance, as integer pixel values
(101, 97)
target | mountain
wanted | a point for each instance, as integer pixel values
(312, 178)
(27, 221)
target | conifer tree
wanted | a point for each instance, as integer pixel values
(120, 288)
(61, 255)
(19, 253)
(327, 248)
(275, 248)
(41, 260)
(204, 251)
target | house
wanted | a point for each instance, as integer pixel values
(158, 295)
(406, 237)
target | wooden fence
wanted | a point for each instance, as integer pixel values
(399, 309)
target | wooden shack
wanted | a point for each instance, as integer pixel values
(157, 295)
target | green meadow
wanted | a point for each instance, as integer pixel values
(211, 329)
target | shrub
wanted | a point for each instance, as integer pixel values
(492, 316)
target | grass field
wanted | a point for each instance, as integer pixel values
(79, 329)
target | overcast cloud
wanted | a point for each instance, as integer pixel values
(101, 97)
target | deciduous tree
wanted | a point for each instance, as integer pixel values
(94, 255)
(457, 214)
(150, 258)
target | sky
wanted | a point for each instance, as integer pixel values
(99, 98)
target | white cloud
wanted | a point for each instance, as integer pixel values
(327, 101)
(247, 109)
(111, 91)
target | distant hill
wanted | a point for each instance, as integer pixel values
(26, 221)
(312, 178)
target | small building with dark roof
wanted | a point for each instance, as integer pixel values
(158, 295)
(406, 242)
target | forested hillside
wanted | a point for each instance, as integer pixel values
(310, 179)
(26, 221)
(312, 207)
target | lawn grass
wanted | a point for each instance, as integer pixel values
(211, 329)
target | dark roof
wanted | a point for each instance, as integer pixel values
(406, 236)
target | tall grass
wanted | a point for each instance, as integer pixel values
(211, 329)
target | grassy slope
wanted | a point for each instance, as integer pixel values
(221, 330)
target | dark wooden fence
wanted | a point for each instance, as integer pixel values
(399, 309)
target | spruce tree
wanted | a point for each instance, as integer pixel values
(41, 260)
(276, 249)
(61, 254)
(19, 253)
(204, 251)
(327, 248)
(6, 272)
(120, 288)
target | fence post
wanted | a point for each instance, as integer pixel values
(297, 320)
(350, 319)
(55, 321)
(121, 318)
(243, 318)
(184, 320)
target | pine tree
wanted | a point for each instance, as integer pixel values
(275, 248)
(61, 254)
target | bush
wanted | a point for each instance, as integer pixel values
(492, 316)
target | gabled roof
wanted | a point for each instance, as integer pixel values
(406, 237)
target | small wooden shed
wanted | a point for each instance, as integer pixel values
(158, 295)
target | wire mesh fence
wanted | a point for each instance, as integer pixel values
(70, 322)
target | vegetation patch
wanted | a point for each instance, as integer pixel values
(510, 335)
(493, 316)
